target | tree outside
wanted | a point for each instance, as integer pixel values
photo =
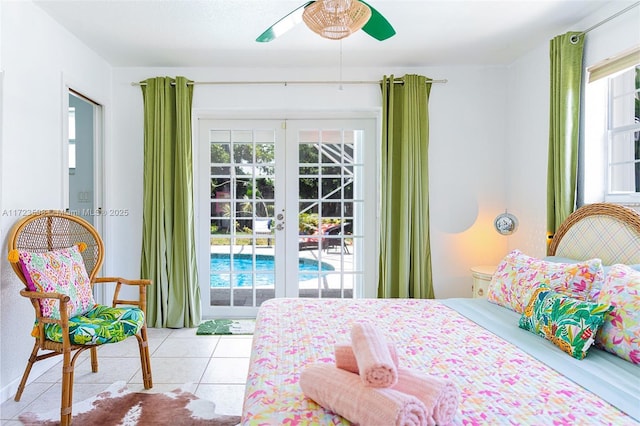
(325, 188)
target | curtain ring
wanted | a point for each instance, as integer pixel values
(574, 39)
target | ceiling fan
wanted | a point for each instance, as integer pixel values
(333, 19)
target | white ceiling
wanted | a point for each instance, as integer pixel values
(195, 33)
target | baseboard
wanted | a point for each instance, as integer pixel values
(38, 369)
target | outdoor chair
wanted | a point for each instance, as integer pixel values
(262, 227)
(328, 236)
(335, 237)
(57, 256)
(316, 240)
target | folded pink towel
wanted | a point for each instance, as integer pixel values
(346, 359)
(375, 364)
(344, 393)
(439, 396)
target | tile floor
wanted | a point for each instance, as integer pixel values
(212, 367)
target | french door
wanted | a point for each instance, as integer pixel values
(287, 209)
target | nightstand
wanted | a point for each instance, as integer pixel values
(481, 278)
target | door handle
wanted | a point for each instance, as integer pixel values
(280, 217)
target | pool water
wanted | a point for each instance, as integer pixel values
(220, 270)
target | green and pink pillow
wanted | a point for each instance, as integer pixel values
(568, 323)
(620, 333)
(58, 271)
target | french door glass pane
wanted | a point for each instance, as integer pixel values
(242, 266)
(328, 241)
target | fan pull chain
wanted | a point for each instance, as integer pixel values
(340, 86)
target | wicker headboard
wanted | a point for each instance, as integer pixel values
(607, 231)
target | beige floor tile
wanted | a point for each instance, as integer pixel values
(163, 387)
(184, 332)
(10, 408)
(54, 374)
(11, 423)
(176, 370)
(50, 399)
(233, 347)
(186, 347)
(226, 371)
(127, 348)
(110, 370)
(228, 398)
(158, 333)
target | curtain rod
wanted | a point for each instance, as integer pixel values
(291, 83)
(574, 39)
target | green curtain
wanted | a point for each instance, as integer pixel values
(168, 237)
(564, 124)
(405, 252)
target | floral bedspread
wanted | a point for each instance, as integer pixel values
(498, 383)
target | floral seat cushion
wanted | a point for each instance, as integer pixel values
(100, 325)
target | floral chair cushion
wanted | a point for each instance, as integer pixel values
(568, 323)
(620, 333)
(102, 324)
(58, 271)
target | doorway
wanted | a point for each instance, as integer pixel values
(81, 158)
(287, 210)
(83, 154)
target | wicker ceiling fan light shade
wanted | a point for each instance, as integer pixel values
(336, 19)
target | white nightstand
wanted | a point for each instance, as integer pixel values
(481, 278)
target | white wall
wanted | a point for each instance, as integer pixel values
(37, 55)
(528, 120)
(527, 142)
(1, 179)
(1, 150)
(466, 150)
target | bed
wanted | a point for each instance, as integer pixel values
(505, 374)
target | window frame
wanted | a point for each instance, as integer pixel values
(619, 197)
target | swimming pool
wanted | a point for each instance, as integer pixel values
(220, 270)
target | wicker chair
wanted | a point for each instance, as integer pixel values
(54, 230)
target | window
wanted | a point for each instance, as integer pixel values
(624, 132)
(612, 129)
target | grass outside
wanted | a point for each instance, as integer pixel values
(240, 240)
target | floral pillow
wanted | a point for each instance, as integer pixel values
(597, 284)
(620, 333)
(595, 291)
(568, 323)
(519, 275)
(58, 271)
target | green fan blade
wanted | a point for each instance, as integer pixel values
(377, 26)
(284, 24)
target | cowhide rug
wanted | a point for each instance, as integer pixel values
(117, 406)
